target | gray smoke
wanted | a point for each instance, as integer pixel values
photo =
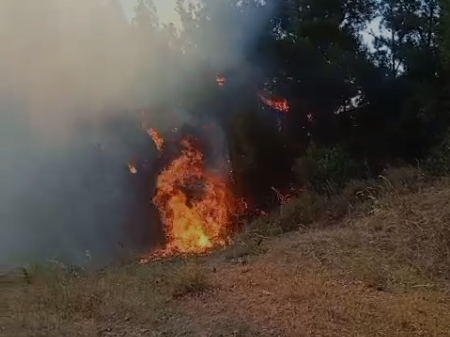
(74, 77)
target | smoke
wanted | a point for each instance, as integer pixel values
(74, 77)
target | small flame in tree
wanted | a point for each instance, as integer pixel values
(132, 167)
(196, 207)
(157, 139)
(278, 103)
(220, 79)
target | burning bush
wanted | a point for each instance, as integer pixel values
(195, 203)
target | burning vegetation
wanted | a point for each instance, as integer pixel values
(157, 139)
(277, 103)
(196, 205)
(374, 252)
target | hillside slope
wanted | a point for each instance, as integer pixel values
(382, 272)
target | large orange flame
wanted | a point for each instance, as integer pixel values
(196, 207)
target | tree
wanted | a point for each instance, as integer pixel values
(382, 103)
(405, 104)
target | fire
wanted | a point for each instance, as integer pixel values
(157, 139)
(196, 207)
(220, 79)
(132, 167)
(278, 103)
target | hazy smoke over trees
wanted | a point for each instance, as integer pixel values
(74, 78)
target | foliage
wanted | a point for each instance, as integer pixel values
(438, 162)
(261, 157)
(384, 101)
(325, 170)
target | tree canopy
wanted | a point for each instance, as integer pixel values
(378, 100)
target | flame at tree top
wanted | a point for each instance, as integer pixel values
(277, 103)
(220, 79)
(196, 206)
(132, 167)
(157, 139)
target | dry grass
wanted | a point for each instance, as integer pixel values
(134, 299)
(373, 261)
(191, 279)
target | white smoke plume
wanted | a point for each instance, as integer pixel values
(74, 77)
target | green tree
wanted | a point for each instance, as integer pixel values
(378, 104)
(405, 104)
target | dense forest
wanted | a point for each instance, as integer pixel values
(366, 81)
(356, 105)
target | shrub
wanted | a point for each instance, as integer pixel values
(325, 170)
(190, 279)
(406, 178)
(301, 211)
(438, 162)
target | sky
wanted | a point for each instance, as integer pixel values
(165, 8)
(167, 14)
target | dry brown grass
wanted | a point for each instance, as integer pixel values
(131, 300)
(191, 279)
(373, 262)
